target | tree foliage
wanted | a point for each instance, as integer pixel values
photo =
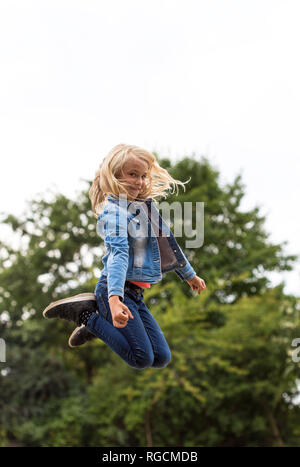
(231, 380)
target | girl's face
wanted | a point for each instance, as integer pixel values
(134, 173)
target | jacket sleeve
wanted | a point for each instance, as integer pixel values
(112, 226)
(186, 272)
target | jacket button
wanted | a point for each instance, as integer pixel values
(181, 265)
(175, 251)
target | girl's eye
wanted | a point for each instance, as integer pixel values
(144, 176)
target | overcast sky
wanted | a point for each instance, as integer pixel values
(215, 78)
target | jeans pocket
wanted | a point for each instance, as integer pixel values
(132, 294)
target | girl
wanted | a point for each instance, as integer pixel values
(140, 248)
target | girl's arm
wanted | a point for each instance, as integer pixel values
(186, 272)
(112, 227)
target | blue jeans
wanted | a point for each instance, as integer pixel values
(141, 343)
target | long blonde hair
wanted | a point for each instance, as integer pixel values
(158, 181)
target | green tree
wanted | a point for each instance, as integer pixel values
(236, 253)
(230, 348)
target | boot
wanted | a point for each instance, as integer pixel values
(80, 336)
(77, 309)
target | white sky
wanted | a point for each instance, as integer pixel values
(218, 78)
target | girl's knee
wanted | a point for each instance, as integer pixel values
(144, 361)
(162, 359)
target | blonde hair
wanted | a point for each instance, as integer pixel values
(106, 181)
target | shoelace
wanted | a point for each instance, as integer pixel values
(84, 317)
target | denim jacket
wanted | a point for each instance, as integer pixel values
(140, 245)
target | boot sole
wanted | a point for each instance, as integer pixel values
(77, 298)
(83, 342)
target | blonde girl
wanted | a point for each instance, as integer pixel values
(140, 247)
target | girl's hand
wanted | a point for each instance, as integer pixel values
(196, 283)
(120, 313)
